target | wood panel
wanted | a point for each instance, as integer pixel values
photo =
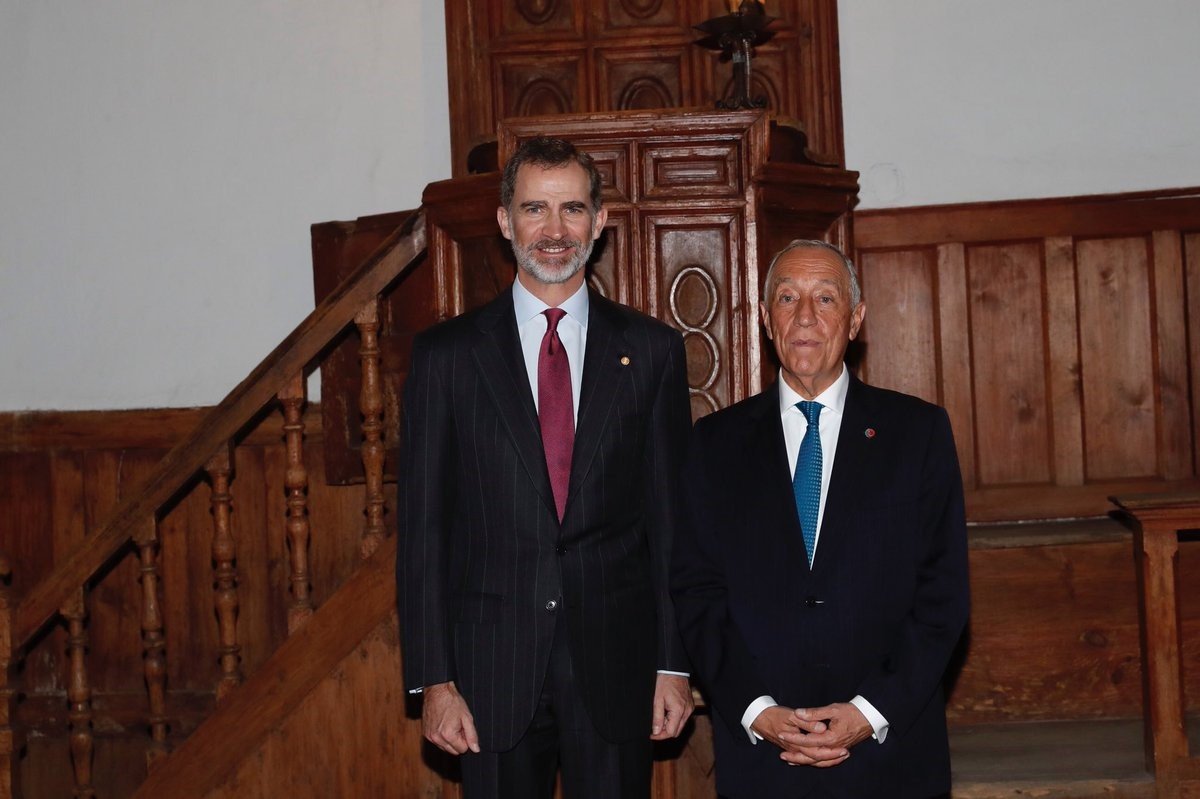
(537, 57)
(1067, 341)
(1005, 285)
(898, 290)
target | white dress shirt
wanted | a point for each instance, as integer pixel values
(572, 331)
(795, 425)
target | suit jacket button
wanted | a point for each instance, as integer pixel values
(552, 605)
(561, 550)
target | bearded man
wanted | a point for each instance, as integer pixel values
(543, 438)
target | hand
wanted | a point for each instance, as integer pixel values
(446, 721)
(832, 728)
(784, 728)
(672, 706)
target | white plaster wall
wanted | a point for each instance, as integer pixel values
(160, 162)
(952, 101)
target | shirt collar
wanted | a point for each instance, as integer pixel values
(527, 306)
(832, 398)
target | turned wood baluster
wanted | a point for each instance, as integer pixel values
(293, 396)
(10, 740)
(224, 555)
(370, 403)
(153, 644)
(79, 696)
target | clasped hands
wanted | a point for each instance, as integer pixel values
(819, 736)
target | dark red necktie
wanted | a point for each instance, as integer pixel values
(556, 412)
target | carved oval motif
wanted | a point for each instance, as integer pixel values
(693, 298)
(542, 97)
(537, 12)
(703, 360)
(703, 403)
(693, 302)
(645, 94)
(641, 9)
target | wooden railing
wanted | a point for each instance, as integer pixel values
(280, 377)
(1157, 520)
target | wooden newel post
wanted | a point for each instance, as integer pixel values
(10, 740)
(1156, 521)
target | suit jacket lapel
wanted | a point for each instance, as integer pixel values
(773, 472)
(849, 466)
(604, 376)
(497, 354)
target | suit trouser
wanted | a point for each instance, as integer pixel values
(561, 733)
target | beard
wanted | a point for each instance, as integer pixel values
(552, 273)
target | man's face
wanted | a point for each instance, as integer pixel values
(551, 224)
(807, 313)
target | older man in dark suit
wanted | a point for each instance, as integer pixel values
(820, 576)
(543, 438)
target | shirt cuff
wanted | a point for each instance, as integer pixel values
(675, 673)
(878, 723)
(752, 712)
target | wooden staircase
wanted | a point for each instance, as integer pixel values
(319, 641)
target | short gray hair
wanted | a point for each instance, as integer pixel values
(817, 244)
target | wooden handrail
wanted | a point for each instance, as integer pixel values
(223, 424)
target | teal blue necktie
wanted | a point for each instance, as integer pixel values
(806, 482)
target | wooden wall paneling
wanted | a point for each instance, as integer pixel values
(525, 57)
(1117, 358)
(539, 85)
(114, 603)
(1191, 248)
(1175, 450)
(820, 76)
(954, 354)
(1062, 333)
(1080, 660)
(251, 520)
(1099, 216)
(528, 18)
(1009, 364)
(642, 80)
(275, 538)
(605, 274)
(691, 261)
(900, 292)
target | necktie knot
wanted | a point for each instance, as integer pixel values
(811, 410)
(553, 317)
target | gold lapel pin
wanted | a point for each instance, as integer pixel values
(625, 360)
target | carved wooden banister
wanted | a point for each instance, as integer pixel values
(1157, 520)
(224, 423)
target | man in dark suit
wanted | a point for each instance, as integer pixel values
(543, 438)
(820, 575)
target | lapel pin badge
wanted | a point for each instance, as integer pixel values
(625, 360)
(869, 432)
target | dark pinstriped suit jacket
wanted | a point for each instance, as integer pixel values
(879, 614)
(481, 550)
